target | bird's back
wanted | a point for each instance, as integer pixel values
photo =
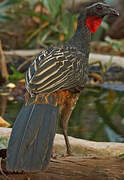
(57, 68)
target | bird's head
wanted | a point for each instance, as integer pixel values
(100, 10)
(95, 13)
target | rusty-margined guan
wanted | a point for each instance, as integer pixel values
(53, 82)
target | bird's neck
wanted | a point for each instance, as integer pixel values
(81, 40)
(82, 37)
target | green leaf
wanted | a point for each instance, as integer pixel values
(8, 3)
(3, 143)
(33, 14)
(32, 3)
(16, 75)
(5, 18)
(53, 6)
(121, 155)
(4, 15)
(67, 25)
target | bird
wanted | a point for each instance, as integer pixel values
(54, 81)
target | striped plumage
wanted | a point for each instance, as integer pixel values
(57, 68)
(53, 82)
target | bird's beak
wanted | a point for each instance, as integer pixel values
(113, 12)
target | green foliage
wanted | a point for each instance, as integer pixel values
(4, 6)
(67, 24)
(53, 6)
(121, 155)
(16, 75)
(3, 143)
(115, 44)
(55, 27)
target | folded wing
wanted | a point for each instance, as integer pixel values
(55, 69)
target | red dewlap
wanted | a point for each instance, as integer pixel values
(93, 23)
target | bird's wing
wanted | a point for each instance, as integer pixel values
(54, 69)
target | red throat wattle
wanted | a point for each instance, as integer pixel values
(93, 23)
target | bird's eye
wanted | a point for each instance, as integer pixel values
(99, 8)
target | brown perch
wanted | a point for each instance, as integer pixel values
(76, 168)
(91, 161)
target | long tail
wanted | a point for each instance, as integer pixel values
(32, 136)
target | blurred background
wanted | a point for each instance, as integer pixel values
(28, 26)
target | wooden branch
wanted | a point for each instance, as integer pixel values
(23, 53)
(117, 60)
(8, 32)
(3, 66)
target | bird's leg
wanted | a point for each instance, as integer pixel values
(64, 118)
(66, 110)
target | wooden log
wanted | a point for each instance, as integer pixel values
(91, 161)
(74, 168)
(116, 60)
(80, 146)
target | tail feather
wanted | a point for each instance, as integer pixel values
(31, 141)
